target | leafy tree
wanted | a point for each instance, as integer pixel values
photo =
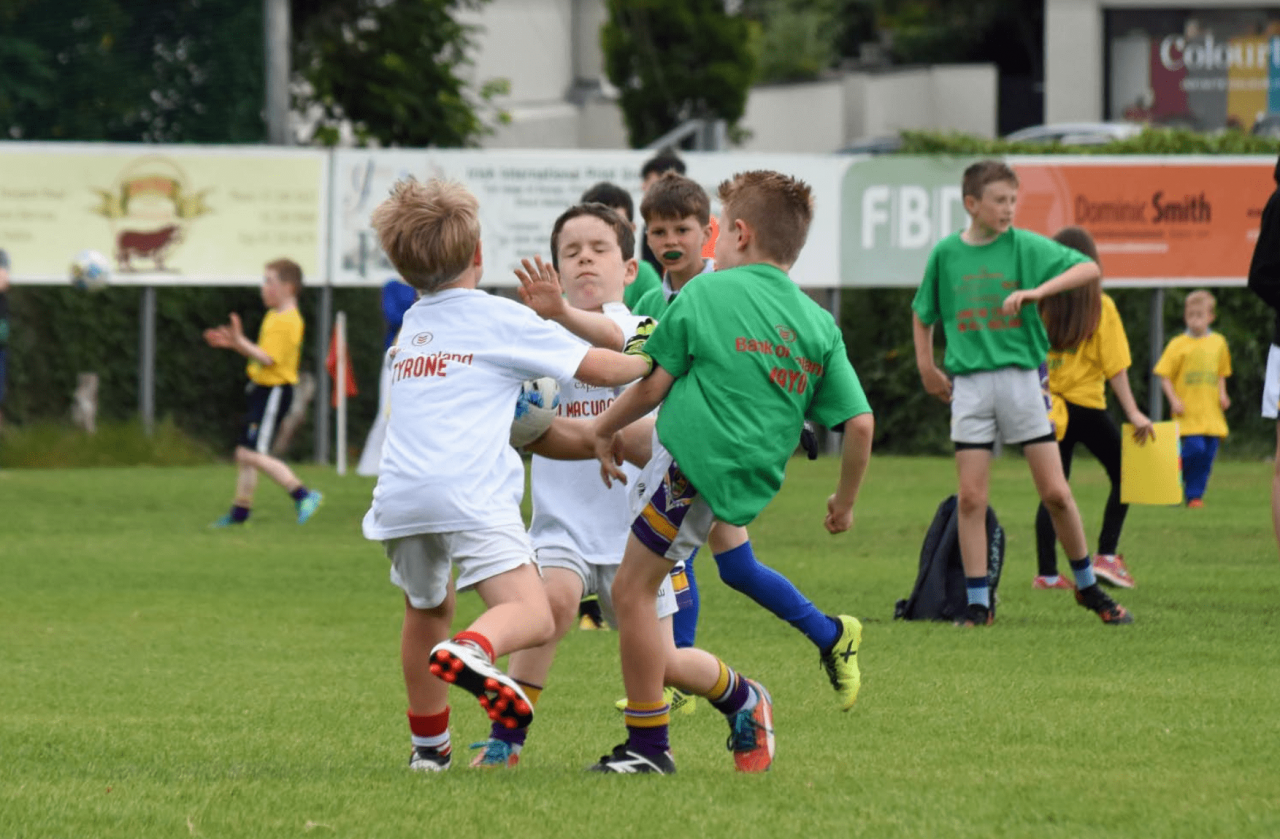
(131, 70)
(391, 71)
(676, 60)
(799, 39)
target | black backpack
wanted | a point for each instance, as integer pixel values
(939, 593)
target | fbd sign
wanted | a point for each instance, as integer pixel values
(895, 211)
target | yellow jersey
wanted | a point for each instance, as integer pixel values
(280, 337)
(1194, 366)
(1079, 375)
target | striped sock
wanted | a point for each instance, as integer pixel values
(430, 730)
(731, 693)
(1083, 571)
(647, 727)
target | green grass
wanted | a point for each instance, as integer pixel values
(158, 679)
(60, 445)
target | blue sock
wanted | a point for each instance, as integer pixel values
(739, 568)
(1083, 570)
(300, 493)
(978, 590)
(684, 623)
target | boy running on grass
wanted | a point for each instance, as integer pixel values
(449, 488)
(979, 283)
(272, 372)
(740, 358)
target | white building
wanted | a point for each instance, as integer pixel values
(550, 52)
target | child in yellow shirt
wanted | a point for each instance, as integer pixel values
(1193, 374)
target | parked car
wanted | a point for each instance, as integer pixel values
(874, 145)
(1076, 133)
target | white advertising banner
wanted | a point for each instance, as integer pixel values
(522, 192)
(162, 215)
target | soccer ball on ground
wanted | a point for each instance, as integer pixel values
(90, 271)
(535, 408)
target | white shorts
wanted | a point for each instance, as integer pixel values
(598, 580)
(671, 518)
(1271, 385)
(421, 564)
(1006, 403)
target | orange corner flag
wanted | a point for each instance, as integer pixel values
(331, 364)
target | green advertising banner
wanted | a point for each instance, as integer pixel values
(894, 210)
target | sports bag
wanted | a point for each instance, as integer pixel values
(939, 593)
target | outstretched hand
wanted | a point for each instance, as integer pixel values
(228, 336)
(540, 287)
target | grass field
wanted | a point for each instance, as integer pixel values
(158, 679)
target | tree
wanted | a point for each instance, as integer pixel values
(391, 71)
(675, 60)
(131, 70)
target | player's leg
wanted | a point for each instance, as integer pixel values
(1046, 470)
(739, 568)
(684, 623)
(498, 563)
(529, 667)
(1102, 438)
(1198, 452)
(1047, 576)
(423, 574)
(1275, 489)
(973, 431)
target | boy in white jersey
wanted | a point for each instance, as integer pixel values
(579, 527)
(449, 485)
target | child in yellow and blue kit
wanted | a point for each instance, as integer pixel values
(273, 371)
(1193, 374)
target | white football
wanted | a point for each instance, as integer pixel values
(90, 271)
(535, 408)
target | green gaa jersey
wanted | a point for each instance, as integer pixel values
(964, 286)
(752, 356)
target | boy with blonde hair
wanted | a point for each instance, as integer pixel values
(979, 283)
(1193, 373)
(272, 372)
(449, 489)
(740, 358)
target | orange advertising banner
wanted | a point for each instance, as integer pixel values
(1166, 223)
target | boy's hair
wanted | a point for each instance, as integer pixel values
(673, 196)
(626, 236)
(984, 172)
(664, 161)
(778, 208)
(288, 272)
(429, 231)
(612, 196)
(1201, 297)
(1071, 316)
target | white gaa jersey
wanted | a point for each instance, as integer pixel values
(572, 508)
(446, 463)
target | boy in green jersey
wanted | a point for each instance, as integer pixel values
(982, 285)
(741, 357)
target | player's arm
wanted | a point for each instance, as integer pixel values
(1077, 275)
(854, 457)
(540, 290)
(1175, 404)
(606, 368)
(574, 439)
(1223, 399)
(935, 381)
(1142, 425)
(635, 402)
(230, 336)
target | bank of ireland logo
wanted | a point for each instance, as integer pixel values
(422, 339)
(150, 208)
(786, 334)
